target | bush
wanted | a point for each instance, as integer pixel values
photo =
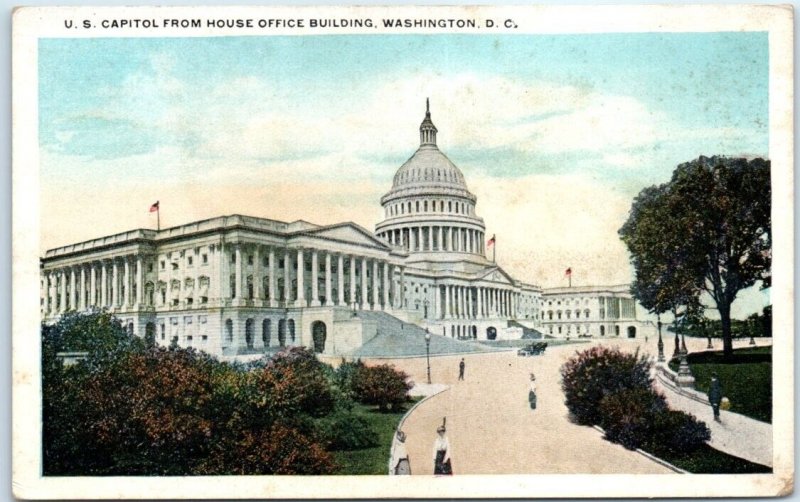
(380, 385)
(677, 432)
(599, 372)
(345, 431)
(628, 417)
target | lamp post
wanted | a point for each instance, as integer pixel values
(660, 343)
(752, 331)
(428, 352)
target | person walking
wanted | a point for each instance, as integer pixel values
(532, 392)
(461, 366)
(400, 463)
(715, 395)
(442, 453)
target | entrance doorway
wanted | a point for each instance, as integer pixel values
(319, 334)
(491, 333)
(631, 332)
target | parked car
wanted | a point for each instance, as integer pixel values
(532, 349)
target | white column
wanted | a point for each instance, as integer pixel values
(328, 280)
(441, 244)
(63, 306)
(364, 291)
(464, 312)
(437, 302)
(237, 282)
(258, 282)
(470, 313)
(139, 282)
(93, 285)
(315, 278)
(46, 293)
(73, 290)
(457, 302)
(82, 296)
(287, 277)
(375, 286)
(340, 277)
(114, 284)
(430, 238)
(386, 305)
(301, 287)
(447, 310)
(103, 284)
(353, 280)
(479, 303)
(402, 287)
(126, 278)
(411, 239)
(273, 302)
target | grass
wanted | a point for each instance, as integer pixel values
(707, 460)
(746, 380)
(373, 460)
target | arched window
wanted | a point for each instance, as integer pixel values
(266, 332)
(248, 333)
(291, 331)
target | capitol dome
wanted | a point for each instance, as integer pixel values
(429, 209)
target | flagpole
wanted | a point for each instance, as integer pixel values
(494, 249)
(158, 218)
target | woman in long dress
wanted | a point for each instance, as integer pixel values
(532, 392)
(401, 463)
(441, 453)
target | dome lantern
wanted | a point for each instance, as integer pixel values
(427, 131)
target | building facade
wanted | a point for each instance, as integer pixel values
(237, 285)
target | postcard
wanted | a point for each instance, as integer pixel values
(406, 252)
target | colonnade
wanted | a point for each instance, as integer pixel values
(115, 283)
(334, 278)
(436, 238)
(477, 302)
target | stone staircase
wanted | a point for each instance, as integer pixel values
(527, 333)
(396, 338)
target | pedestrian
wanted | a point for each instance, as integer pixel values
(715, 395)
(532, 392)
(442, 453)
(400, 463)
(461, 367)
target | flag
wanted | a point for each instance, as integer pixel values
(490, 242)
(154, 207)
(568, 272)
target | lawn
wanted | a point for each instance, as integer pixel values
(746, 380)
(373, 460)
(707, 460)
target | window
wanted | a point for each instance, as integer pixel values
(249, 259)
(189, 261)
(163, 264)
(174, 265)
(233, 257)
(203, 300)
(205, 259)
(163, 331)
(149, 267)
(189, 338)
(204, 338)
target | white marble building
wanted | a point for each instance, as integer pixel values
(240, 285)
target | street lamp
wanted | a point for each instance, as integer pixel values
(660, 343)
(428, 352)
(752, 331)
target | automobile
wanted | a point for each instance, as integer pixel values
(532, 349)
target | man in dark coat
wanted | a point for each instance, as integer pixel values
(715, 395)
(461, 367)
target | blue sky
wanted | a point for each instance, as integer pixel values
(560, 130)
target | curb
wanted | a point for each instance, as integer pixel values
(649, 455)
(403, 420)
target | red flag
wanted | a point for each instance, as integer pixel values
(490, 242)
(154, 207)
(568, 272)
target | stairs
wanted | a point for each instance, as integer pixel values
(396, 338)
(527, 333)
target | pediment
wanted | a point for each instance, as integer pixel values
(346, 232)
(498, 275)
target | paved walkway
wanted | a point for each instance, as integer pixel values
(491, 428)
(735, 434)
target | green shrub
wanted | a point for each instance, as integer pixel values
(598, 372)
(345, 431)
(677, 432)
(380, 385)
(628, 416)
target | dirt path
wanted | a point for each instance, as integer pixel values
(491, 428)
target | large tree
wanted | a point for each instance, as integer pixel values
(708, 229)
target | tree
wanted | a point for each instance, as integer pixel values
(708, 229)
(382, 385)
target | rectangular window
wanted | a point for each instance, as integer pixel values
(249, 259)
(189, 259)
(204, 338)
(163, 264)
(174, 265)
(149, 267)
(233, 257)
(189, 338)
(205, 259)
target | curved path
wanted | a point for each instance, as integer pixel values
(493, 431)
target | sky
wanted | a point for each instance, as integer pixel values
(555, 134)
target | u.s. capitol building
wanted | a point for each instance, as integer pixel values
(237, 284)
